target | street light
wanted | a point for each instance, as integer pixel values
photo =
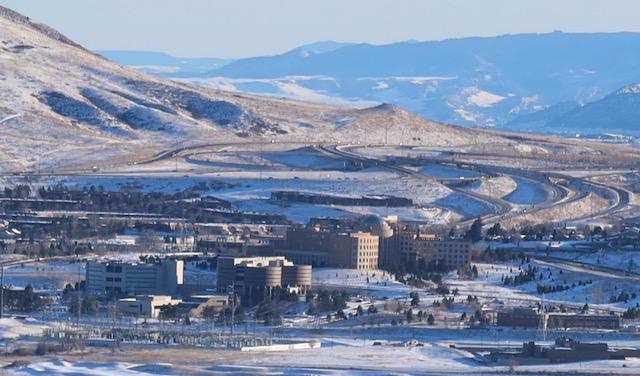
(233, 306)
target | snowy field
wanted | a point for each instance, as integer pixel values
(250, 191)
(247, 174)
(527, 192)
(427, 361)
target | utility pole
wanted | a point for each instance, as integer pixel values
(232, 294)
(79, 298)
(261, 165)
(386, 134)
(2, 291)
(80, 339)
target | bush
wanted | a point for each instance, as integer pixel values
(23, 351)
(45, 348)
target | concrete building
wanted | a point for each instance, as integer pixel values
(413, 245)
(381, 228)
(309, 246)
(354, 250)
(518, 317)
(249, 274)
(145, 306)
(314, 246)
(528, 317)
(198, 303)
(157, 277)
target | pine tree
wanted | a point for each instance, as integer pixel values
(475, 232)
(409, 315)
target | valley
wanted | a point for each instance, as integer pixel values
(337, 209)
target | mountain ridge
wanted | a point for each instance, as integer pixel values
(479, 81)
(63, 106)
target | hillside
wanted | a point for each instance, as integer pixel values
(618, 112)
(63, 106)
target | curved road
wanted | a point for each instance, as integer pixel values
(560, 195)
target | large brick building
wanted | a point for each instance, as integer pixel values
(413, 245)
(353, 250)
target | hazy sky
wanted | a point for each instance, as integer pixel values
(242, 28)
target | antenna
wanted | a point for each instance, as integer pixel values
(542, 327)
(232, 294)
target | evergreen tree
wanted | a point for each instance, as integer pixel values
(29, 301)
(409, 315)
(475, 232)
(209, 313)
(415, 301)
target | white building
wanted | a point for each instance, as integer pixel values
(158, 277)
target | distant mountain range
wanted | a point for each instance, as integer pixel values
(555, 82)
(62, 106)
(160, 63)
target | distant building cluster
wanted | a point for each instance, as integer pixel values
(375, 243)
(256, 260)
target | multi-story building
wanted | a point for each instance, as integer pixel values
(249, 274)
(354, 250)
(308, 246)
(381, 228)
(530, 318)
(159, 277)
(410, 245)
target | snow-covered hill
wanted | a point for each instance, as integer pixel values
(62, 106)
(618, 112)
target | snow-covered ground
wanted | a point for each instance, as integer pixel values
(246, 174)
(348, 345)
(249, 190)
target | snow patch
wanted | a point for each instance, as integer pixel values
(484, 99)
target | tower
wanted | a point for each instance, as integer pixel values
(542, 326)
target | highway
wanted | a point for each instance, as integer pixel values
(501, 209)
(560, 195)
(572, 190)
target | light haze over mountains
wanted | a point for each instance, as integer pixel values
(556, 82)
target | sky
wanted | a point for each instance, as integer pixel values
(245, 28)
